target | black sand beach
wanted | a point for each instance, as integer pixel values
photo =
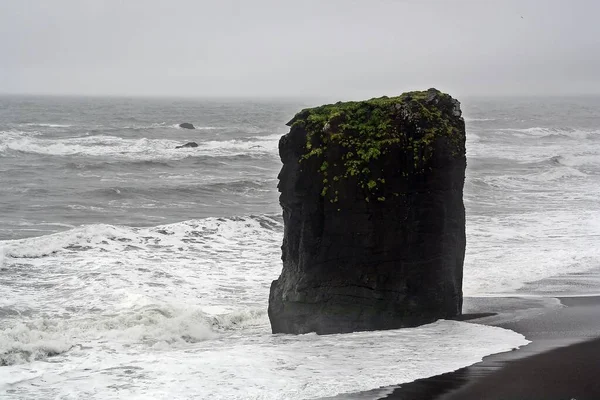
(561, 362)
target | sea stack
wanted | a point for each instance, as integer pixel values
(374, 220)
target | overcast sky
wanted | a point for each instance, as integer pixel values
(330, 48)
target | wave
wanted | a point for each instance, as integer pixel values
(126, 284)
(550, 132)
(184, 186)
(14, 134)
(545, 242)
(48, 125)
(21, 344)
(554, 174)
(84, 236)
(90, 165)
(269, 366)
(137, 149)
(550, 170)
(106, 263)
(203, 128)
(112, 277)
(467, 119)
(244, 187)
(111, 238)
(153, 326)
(577, 160)
(105, 129)
(158, 125)
(155, 125)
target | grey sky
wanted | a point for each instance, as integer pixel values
(331, 48)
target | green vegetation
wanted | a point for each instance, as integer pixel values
(361, 132)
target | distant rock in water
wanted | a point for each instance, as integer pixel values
(374, 221)
(188, 144)
(187, 125)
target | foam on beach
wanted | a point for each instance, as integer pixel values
(254, 365)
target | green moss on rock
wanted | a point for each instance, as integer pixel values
(362, 131)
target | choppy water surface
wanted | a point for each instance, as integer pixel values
(131, 269)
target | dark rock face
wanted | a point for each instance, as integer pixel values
(187, 125)
(188, 144)
(374, 221)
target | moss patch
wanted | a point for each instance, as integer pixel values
(361, 132)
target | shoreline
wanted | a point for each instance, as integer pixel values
(561, 361)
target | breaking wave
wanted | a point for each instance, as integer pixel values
(578, 159)
(104, 237)
(138, 149)
(148, 326)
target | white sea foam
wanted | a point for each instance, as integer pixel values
(531, 207)
(257, 365)
(138, 149)
(105, 303)
(123, 286)
(20, 344)
(148, 326)
(237, 259)
(103, 237)
(13, 134)
(504, 252)
(48, 125)
(216, 261)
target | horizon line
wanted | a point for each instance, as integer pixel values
(276, 96)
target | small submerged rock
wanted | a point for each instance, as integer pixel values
(188, 144)
(187, 125)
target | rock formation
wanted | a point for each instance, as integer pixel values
(374, 221)
(188, 144)
(187, 125)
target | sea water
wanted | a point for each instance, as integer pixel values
(131, 269)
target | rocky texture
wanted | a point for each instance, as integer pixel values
(187, 125)
(374, 219)
(188, 144)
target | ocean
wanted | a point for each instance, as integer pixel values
(131, 269)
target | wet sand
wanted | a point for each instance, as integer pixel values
(562, 362)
